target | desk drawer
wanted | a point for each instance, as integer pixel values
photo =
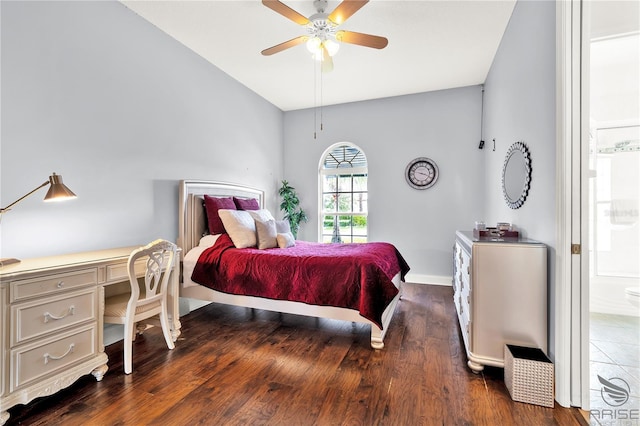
(36, 318)
(32, 362)
(120, 271)
(25, 289)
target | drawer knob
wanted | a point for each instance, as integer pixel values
(48, 356)
(48, 316)
(60, 284)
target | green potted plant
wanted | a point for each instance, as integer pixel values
(290, 206)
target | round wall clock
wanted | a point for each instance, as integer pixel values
(421, 173)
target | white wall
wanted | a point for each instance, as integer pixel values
(443, 126)
(520, 106)
(122, 111)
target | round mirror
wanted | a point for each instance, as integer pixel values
(516, 175)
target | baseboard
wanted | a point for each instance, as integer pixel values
(428, 279)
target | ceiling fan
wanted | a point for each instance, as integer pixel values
(323, 34)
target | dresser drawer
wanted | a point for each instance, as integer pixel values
(36, 318)
(26, 289)
(32, 362)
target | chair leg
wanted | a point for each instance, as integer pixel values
(164, 322)
(128, 348)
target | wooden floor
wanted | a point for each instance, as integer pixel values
(237, 366)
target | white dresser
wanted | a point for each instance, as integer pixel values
(500, 295)
(51, 328)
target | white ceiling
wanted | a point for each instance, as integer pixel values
(433, 45)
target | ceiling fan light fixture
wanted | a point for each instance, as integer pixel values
(315, 45)
(323, 36)
(331, 46)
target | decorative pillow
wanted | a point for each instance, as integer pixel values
(266, 231)
(208, 240)
(240, 226)
(285, 240)
(246, 203)
(283, 226)
(262, 214)
(211, 206)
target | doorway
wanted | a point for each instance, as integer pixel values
(613, 210)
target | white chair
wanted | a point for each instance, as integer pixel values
(148, 296)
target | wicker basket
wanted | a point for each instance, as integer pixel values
(528, 375)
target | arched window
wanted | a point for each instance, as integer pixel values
(343, 195)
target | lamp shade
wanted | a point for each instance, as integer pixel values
(316, 45)
(58, 191)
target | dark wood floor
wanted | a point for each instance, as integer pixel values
(240, 366)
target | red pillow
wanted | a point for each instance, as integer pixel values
(246, 203)
(211, 206)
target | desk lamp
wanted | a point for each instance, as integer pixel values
(57, 192)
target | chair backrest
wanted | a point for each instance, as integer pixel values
(160, 260)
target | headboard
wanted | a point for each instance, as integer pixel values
(192, 220)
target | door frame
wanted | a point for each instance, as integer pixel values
(571, 311)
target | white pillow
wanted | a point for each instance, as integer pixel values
(283, 226)
(262, 214)
(285, 240)
(240, 226)
(208, 240)
(266, 231)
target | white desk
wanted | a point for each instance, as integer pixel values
(51, 327)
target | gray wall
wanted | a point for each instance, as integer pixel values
(442, 125)
(520, 106)
(122, 111)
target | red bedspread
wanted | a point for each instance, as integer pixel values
(355, 276)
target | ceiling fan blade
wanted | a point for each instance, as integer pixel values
(361, 39)
(285, 45)
(327, 60)
(345, 10)
(286, 11)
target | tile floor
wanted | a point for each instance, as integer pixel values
(614, 356)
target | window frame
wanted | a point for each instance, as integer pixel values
(340, 171)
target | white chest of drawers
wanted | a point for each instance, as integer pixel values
(500, 295)
(51, 328)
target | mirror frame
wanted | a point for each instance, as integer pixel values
(521, 147)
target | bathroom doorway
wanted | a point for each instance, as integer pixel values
(614, 207)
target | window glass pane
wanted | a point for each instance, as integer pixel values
(345, 224)
(344, 183)
(344, 202)
(327, 225)
(329, 183)
(329, 203)
(360, 183)
(360, 204)
(359, 225)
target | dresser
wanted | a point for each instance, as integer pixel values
(500, 295)
(51, 328)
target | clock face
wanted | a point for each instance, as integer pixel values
(421, 173)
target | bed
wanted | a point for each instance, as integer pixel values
(197, 245)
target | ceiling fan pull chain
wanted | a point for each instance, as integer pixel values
(315, 101)
(321, 100)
